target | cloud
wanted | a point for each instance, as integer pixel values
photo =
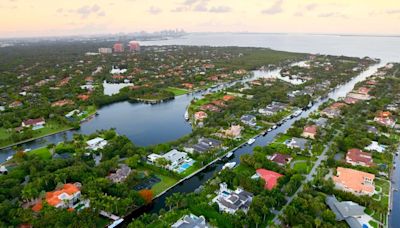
(311, 6)
(154, 10)
(220, 9)
(332, 14)
(189, 2)
(101, 14)
(200, 8)
(396, 11)
(275, 8)
(298, 14)
(87, 10)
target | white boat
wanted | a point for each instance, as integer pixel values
(297, 112)
(229, 154)
(9, 158)
(251, 141)
(274, 127)
(186, 115)
(27, 150)
(229, 165)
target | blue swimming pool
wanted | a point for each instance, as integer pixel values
(184, 167)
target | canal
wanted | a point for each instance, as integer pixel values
(196, 181)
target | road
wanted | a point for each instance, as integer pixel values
(309, 177)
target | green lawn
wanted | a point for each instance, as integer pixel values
(177, 91)
(49, 128)
(3, 133)
(90, 110)
(302, 167)
(165, 183)
(42, 152)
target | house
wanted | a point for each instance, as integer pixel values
(188, 85)
(219, 103)
(350, 100)
(375, 146)
(354, 181)
(61, 103)
(204, 145)
(34, 123)
(174, 156)
(309, 131)
(272, 108)
(96, 143)
(234, 131)
(333, 110)
(372, 130)
(358, 157)
(270, 177)
(210, 107)
(299, 143)
(321, 122)
(200, 116)
(15, 104)
(231, 201)
(121, 174)
(66, 197)
(348, 211)
(385, 119)
(227, 98)
(249, 120)
(191, 221)
(280, 159)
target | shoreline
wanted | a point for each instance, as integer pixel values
(50, 134)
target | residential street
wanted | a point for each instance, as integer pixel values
(309, 178)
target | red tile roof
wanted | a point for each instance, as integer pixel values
(281, 159)
(356, 155)
(270, 177)
(311, 129)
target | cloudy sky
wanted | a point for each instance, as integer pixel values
(78, 17)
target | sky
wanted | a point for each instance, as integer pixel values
(25, 18)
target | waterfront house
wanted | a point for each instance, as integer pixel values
(358, 157)
(203, 145)
(280, 159)
(375, 146)
(350, 100)
(333, 110)
(299, 143)
(354, 181)
(348, 211)
(309, 131)
(15, 104)
(227, 98)
(191, 221)
(270, 177)
(210, 107)
(175, 158)
(34, 123)
(200, 116)
(249, 120)
(231, 201)
(121, 174)
(273, 108)
(233, 132)
(96, 143)
(66, 197)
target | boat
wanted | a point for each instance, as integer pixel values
(186, 115)
(273, 127)
(251, 141)
(229, 154)
(297, 112)
(9, 158)
(229, 165)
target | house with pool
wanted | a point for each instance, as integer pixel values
(178, 161)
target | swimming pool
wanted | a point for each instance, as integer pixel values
(184, 166)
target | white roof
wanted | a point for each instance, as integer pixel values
(174, 155)
(3, 169)
(94, 141)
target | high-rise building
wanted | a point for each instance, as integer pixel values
(118, 47)
(105, 50)
(134, 46)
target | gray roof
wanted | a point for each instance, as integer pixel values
(206, 144)
(321, 122)
(248, 118)
(191, 221)
(345, 210)
(297, 142)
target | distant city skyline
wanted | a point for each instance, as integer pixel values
(73, 17)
